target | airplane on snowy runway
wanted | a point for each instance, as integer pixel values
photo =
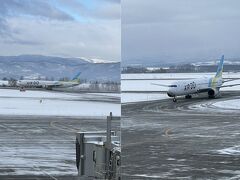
(209, 85)
(49, 84)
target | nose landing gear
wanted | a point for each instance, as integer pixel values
(174, 99)
(188, 96)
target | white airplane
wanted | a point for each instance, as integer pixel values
(4, 83)
(48, 84)
(209, 85)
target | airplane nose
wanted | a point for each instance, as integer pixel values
(170, 93)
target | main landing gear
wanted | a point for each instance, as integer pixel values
(211, 97)
(22, 89)
(174, 99)
(188, 96)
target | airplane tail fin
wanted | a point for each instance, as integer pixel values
(76, 77)
(220, 67)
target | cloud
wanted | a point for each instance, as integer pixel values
(161, 11)
(108, 11)
(172, 30)
(114, 1)
(51, 28)
(93, 9)
(70, 39)
(34, 8)
(4, 29)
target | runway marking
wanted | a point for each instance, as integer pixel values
(34, 166)
(52, 177)
(63, 127)
(9, 129)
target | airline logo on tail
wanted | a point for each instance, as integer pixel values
(76, 77)
(217, 79)
(220, 68)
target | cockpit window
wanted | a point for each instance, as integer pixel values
(173, 86)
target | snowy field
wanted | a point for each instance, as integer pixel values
(176, 75)
(38, 129)
(44, 103)
(39, 145)
(30, 160)
(230, 151)
(231, 105)
(138, 97)
(145, 82)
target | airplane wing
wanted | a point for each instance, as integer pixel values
(164, 85)
(229, 79)
(230, 85)
(203, 90)
(207, 89)
(50, 86)
(53, 85)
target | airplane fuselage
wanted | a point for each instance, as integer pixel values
(194, 86)
(48, 84)
(36, 83)
(45, 84)
(68, 84)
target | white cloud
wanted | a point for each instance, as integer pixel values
(71, 38)
(45, 28)
(172, 30)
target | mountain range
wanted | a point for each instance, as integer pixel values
(49, 67)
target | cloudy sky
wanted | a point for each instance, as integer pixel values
(179, 30)
(69, 28)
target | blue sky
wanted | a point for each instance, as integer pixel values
(71, 28)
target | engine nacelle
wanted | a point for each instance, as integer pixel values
(170, 94)
(212, 93)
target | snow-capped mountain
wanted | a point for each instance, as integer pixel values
(38, 66)
(212, 63)
(96, 60)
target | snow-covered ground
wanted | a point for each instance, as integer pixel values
(144, 85)
(4, 83)
(12, 93)
(137, 97)
(14, 102)
(233, 104)
(44, 144)
(37, 161)
(230, 151)
(109, 94)
(176, 75)
(149, 176)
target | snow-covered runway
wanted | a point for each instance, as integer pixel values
(43, 103)
(37, 130)
(166, 140)
(42, 146)
(194, 138)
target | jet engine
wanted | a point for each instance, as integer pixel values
(212, 93)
